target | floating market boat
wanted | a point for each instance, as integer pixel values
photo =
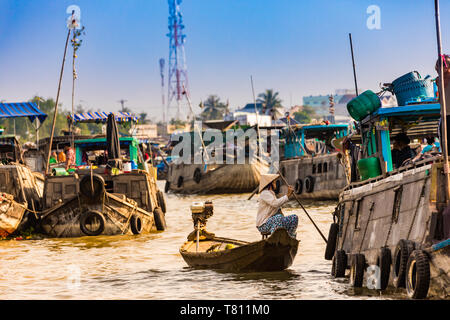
(21, 189)
(311, 163)
(230, 176)
(109, 193)
(394, 219)
(206, 251)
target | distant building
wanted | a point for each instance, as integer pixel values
(146, 130)
(248, 116)
(321, 104)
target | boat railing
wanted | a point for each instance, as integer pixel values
(411, 166)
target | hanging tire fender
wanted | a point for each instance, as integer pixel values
(167, 186)
(85, 218)
(136, 224)
(384, 261)
(309, 184)
(98, 184)
(357, 268)
(331, 242)
(161, 201)
(418, 275)
(298, 186)
(339, 264)
(160, 219)
(197, 175)
(400, 260)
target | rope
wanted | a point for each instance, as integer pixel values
(367, 225)
(422, 194)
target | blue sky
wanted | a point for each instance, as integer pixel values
(296, 47)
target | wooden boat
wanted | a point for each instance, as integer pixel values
(104, 194)
(215, 178)
(234, 172)
(397, 219)
(310, 163)
(11, 214)
(272, 254)
(23, 188)
(205, 250)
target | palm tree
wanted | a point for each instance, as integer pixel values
(271, 103)
(213, 108)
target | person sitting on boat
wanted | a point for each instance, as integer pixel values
(53, 158)
(70, 157)
(61, 157)
(270, 217)
(432, 146)
(401, 150)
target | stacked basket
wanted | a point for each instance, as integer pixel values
(411, 88)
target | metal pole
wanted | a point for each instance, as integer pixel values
(444, 141)
(257, 118)
(353, 62)
(56, 105)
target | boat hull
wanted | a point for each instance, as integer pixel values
(325, 171)
(405, 206)
(218, 178)
(273, 254)
(64, 220)
(11, 215)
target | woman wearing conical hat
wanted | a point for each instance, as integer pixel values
(270, 217)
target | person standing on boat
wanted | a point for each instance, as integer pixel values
(70, 157)
(270, 217)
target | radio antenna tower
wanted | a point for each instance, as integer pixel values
(161, 72)
(177, 60)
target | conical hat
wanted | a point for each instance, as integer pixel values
(266, 179)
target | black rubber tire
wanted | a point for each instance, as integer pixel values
(167, 186)
(384, 262)
(298, 186)
(331, 242)
(180, 181)
(86, 188)
(309, 184)
(357, 270)
(418, 275)
(161, 201)
(136, 224)
(160, 219)
(197, 175)
(91, 214)
(339, 264)
(401, 255)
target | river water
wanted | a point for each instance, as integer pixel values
(150, 266)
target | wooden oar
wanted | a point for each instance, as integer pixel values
(253, 193)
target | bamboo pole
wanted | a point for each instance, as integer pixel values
(444, 141)
(353, 62)
(56, 104)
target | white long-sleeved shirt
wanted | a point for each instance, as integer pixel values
(268, 206)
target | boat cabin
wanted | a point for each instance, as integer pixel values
(378, 130)
(10, 150)
(310, 139)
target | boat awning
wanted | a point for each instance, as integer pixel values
(21, 110)
(101, 117)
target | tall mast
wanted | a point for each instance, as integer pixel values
(444, 146)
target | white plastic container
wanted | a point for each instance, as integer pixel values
(127, 167)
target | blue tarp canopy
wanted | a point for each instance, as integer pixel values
(22, 109)
(101, 117)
